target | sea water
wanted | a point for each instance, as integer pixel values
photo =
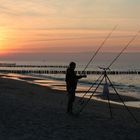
(128, 85)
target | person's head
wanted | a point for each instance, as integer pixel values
(72, 65)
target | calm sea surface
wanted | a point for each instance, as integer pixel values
(125, 84)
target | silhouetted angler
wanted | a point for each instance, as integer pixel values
(71, 84)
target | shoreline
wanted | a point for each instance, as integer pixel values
(81, 89)
(31, 111)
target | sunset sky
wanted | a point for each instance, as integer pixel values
(31, 26)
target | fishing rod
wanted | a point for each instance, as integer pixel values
(81, 100)
(84, 105)
(126, 46)
(100, 46)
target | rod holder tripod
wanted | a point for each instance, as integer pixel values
(106, 93)
(106, 89)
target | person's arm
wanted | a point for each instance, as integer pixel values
(80, 76)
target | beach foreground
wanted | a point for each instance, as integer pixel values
(29, 111)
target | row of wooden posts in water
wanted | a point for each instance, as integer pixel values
(14, 68)
(64, 72)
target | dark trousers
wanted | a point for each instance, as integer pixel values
(71, 98)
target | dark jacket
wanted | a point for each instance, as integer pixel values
(71, 79)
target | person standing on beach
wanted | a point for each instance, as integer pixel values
(71, 84)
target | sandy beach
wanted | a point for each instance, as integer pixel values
(35, 109)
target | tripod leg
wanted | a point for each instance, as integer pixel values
(122, 100)
(81, 109)
(82, 98)
(107, 93)
(109, 106)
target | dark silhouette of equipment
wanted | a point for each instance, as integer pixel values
(105, 77)
(107, 82)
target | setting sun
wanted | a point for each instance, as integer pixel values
(1, 38)
(8, 40)
(2, 35)
(2, 42)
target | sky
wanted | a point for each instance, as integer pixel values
(62, 26)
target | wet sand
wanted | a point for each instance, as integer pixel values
(34, 109)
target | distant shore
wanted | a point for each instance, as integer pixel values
(32, 108)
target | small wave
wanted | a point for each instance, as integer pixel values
(121, 87)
